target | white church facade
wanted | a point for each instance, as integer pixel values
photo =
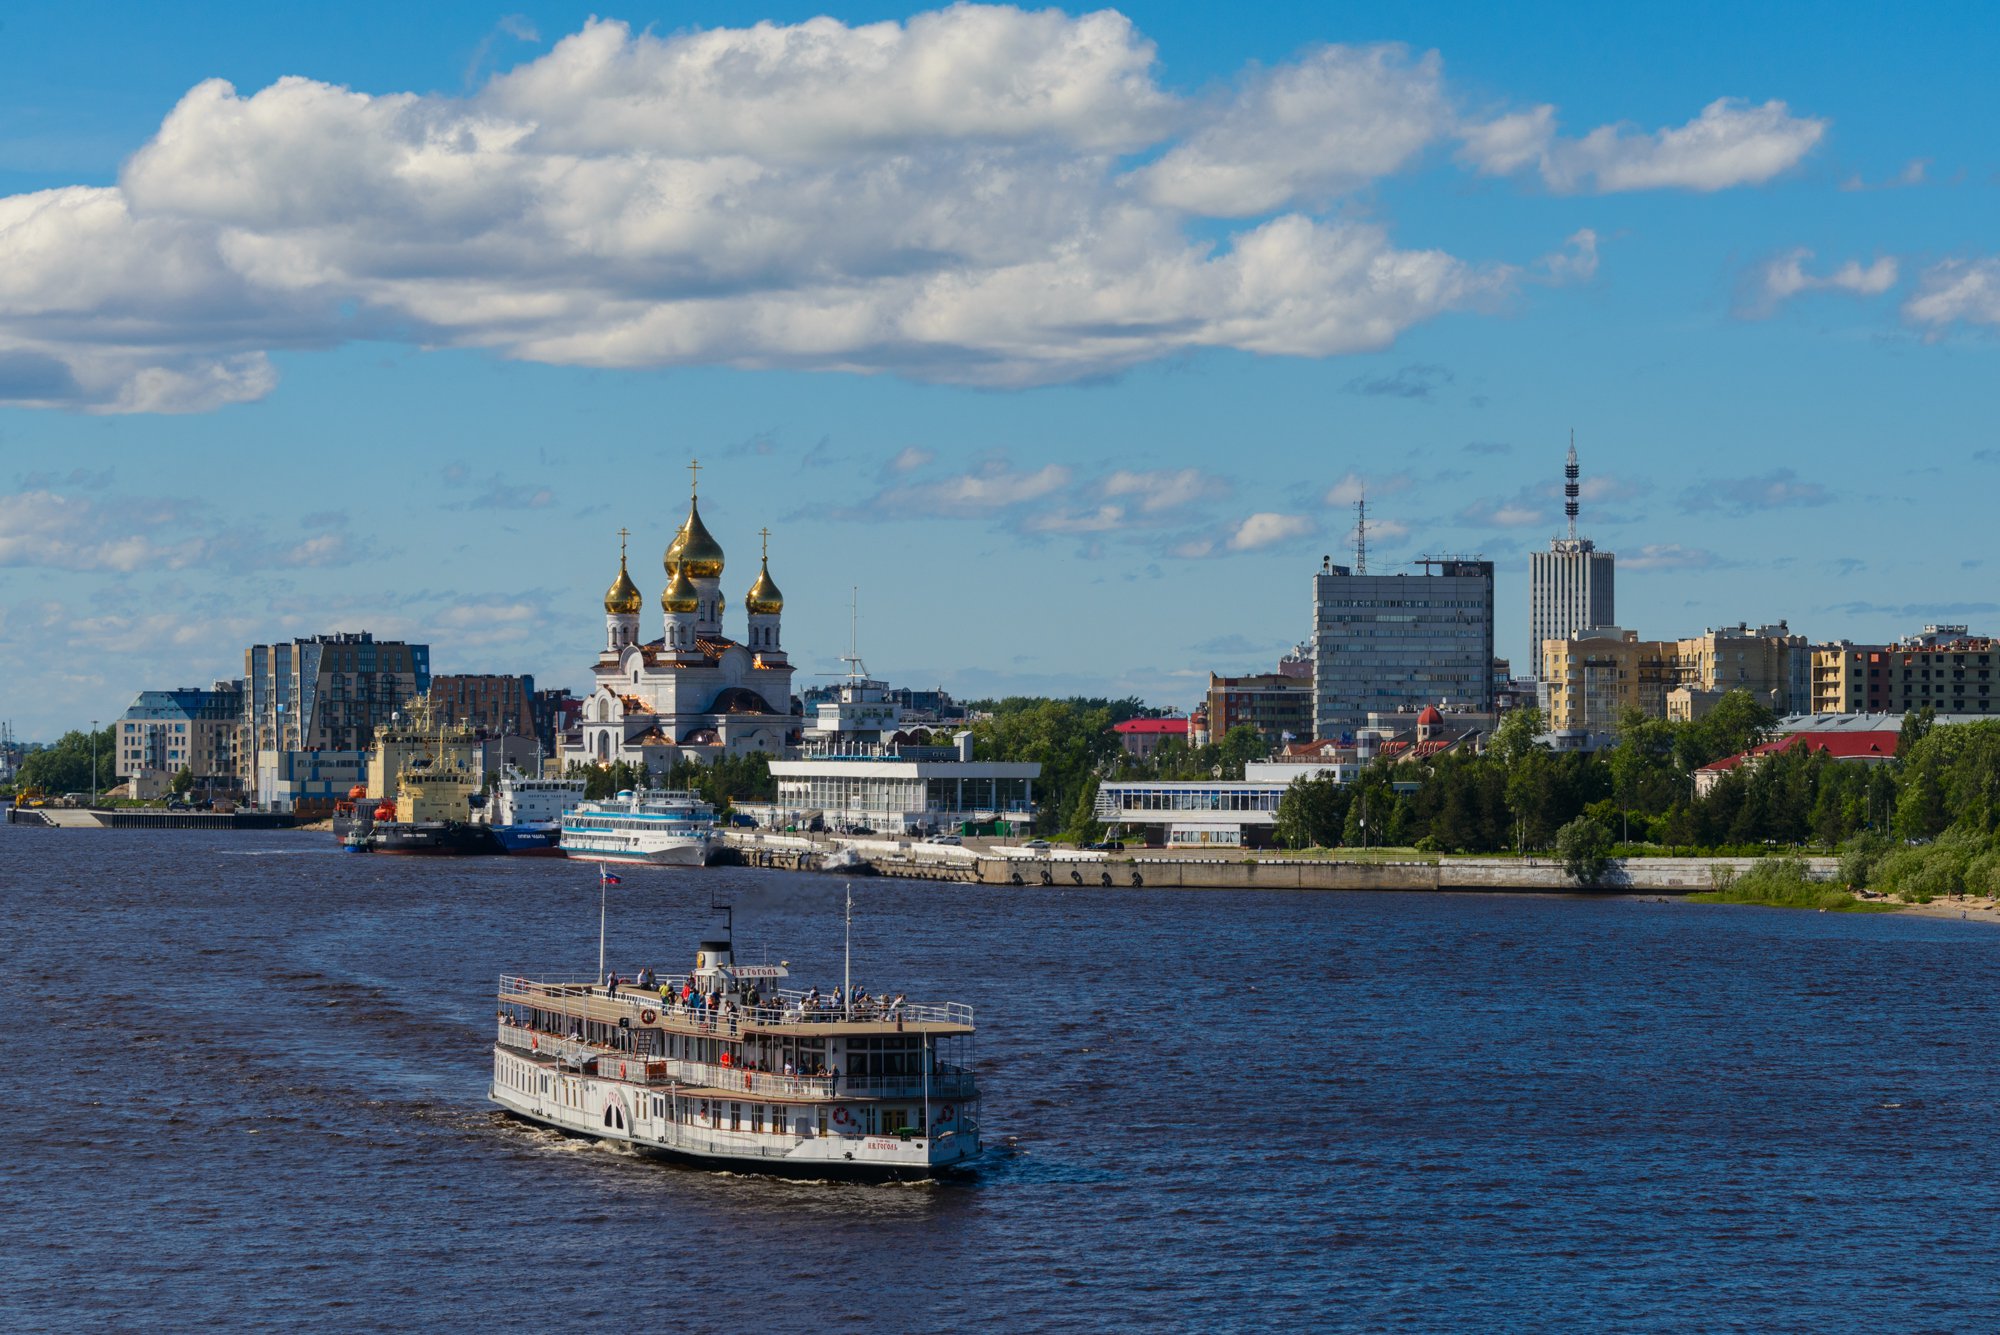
(694, 692)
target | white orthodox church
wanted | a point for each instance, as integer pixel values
(694, 692)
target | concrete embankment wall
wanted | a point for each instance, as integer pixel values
(139, 818)
(1639, 875)
(1094, 870)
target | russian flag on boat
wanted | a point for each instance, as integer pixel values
(609, 879)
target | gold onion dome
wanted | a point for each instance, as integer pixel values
(622, 598)
(694, 549)
(764, 597)
(679, 596)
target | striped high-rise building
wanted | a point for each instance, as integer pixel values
(1570, 584)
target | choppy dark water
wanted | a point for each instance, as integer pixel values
(248, 1085)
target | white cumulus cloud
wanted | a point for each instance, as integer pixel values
(1267, 529)
(949, 198)
(1164, 489)
(1731, 143)
(1333, 120)
(1957, 291)
(1783, 277)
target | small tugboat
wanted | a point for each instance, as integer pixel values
(726, 1066)
(659, 826)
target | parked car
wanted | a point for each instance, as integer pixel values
(1108, 845)
(944, 839)
(1036, 843)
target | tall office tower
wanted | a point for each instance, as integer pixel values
(1570, 584)
(1383, 643)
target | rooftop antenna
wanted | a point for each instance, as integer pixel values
(1361, 534)
(1570, 488)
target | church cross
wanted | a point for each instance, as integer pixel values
(623, 534)
(765, 534)
(694, 476)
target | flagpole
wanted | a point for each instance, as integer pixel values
(602, 882)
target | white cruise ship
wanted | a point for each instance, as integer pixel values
(661, 826)
(726, 1066)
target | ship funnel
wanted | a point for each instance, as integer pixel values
(714, 955)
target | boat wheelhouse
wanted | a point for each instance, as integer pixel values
(660, 826)
(727, 1066)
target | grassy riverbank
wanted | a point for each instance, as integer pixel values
(1783, 883)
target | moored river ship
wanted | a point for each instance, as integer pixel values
(658, 826)
(725, 1066)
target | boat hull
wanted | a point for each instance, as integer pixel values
(578, 1103)
(693, 853)
(448, 839)
(532, 841)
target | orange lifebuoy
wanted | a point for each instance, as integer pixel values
(945, 1113)
(647, 1017)
(621, 1070)
(534, 1043)
(746, 1083)
(840, 1115)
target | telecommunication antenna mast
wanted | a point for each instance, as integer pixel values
(1570, 488)
(1361, 534)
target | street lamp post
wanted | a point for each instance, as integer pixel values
(93, 762)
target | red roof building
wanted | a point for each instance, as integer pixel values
(1142, 736)
(1867, 747)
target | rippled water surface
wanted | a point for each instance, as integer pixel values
(249, 1083)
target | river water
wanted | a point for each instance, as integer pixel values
(250, 1072)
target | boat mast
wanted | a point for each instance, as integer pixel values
(847, 961)
(603, 881)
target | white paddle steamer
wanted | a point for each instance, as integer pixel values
(727, 1066)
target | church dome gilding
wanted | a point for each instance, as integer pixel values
(622, 598)
(694, 549)
(764, 597)
(679, 596)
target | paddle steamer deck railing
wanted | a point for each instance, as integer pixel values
(947, 1082)
(790, 1007)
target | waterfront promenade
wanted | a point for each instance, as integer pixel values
(987, 862)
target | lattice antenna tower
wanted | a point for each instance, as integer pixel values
(1571, 490)
(1361, 534)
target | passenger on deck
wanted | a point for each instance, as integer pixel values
(611, 988)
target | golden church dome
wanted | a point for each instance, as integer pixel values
(679, 596)
(623, 597)
(694, 549)
(764, 598)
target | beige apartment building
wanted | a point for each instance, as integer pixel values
(1595, 676)
(1770, 662)
(1943, 668)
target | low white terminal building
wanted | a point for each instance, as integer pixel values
(856, 767)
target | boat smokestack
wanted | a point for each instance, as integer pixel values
(714, 955)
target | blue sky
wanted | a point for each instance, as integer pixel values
(1065, 336)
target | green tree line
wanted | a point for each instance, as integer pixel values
(721, 783)
(1072, 740)
(65, 767)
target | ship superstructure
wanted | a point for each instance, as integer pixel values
(657, 826)
(728, 1065)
